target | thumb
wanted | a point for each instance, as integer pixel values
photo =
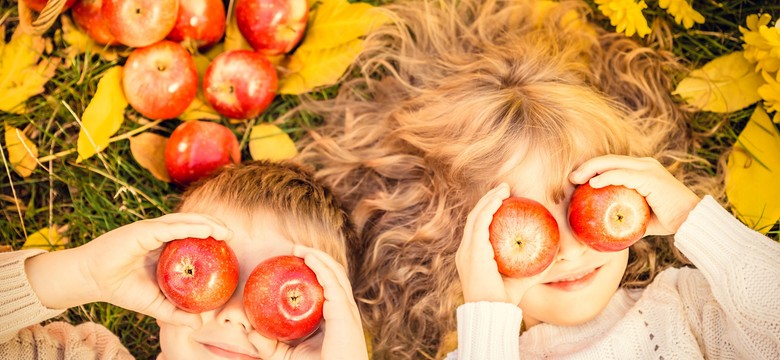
(164, 310)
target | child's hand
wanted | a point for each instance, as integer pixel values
(669, 199)
(475, 259)
(123, 262)
(341, 333)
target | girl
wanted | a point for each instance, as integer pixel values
(478, 93)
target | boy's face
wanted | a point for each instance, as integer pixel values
(226, 332)
(580, 281)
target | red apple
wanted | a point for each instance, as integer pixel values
(197, 275)
(272, 27)
(160, 81)
(201, 21)
(87, 14)
(283, 299)
(38, 5)
(611, 218)
(240, 84)
(138, 23)
(197, 148)
(524, 236)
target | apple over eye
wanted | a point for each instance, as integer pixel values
(611, 218)
(524, 236)
(197, 275)
(283, 299)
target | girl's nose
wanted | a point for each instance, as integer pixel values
(570, 248)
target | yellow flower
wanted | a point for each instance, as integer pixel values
(626, 15)
(682, 11)
(770, 93)
(762, 42)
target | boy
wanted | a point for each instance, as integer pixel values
(260, 209)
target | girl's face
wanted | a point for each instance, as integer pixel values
(580, 281)
(225, 332)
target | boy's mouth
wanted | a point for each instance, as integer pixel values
(574, 281)
(228, 352)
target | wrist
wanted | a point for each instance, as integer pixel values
(57, 279)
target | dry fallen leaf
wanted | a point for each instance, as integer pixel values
(49, 239)
(269, 142)
(103, 116)
(22, 153)
(753, 173)
(723, 85)
(148, 150)
(23, 71)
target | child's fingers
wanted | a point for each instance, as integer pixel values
(336, 290)
(482, 215)
(334, 266)
(159, 231)
(601, 164)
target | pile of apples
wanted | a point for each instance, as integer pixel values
(160, 79)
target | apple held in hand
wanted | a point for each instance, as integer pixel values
(240, 84)
(524, 236)
(272, 27)
(200, 21)
(138, 23)
(38, 5)
(160, 80)
(88, 15)
(197, 148)
(197, 275)
(283, 299)
(611, 218)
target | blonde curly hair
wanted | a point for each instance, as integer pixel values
(451, 89)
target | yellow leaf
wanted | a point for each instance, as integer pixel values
(49, 238)
(269, 142)
(22, 153)
(753, 173)
(199, 108)
(318, 67)
(103, 116)
(148, 150)
(336, 22)
(81, 43)
(21, 73)
(233, 38)
(723, 85)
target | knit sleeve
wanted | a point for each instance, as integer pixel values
(488, 330)
(742, 268)
(60, 340)
(20, 306)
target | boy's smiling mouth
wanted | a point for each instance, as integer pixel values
(574, 281)
(229, 351)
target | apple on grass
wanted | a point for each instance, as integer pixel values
(199, 21)
(197, 275)
(88, 15)
(283, 299)
(240, 84)
(272, 27)
(160, 81)
(197, 148)
(610, 218)
(138, 23)
(524, 236)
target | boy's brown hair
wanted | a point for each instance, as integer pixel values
(307, 211)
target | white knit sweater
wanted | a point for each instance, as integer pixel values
(727, 309)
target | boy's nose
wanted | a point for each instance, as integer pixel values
(232, 313)
(570, 248)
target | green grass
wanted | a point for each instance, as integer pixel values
(111, 190)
